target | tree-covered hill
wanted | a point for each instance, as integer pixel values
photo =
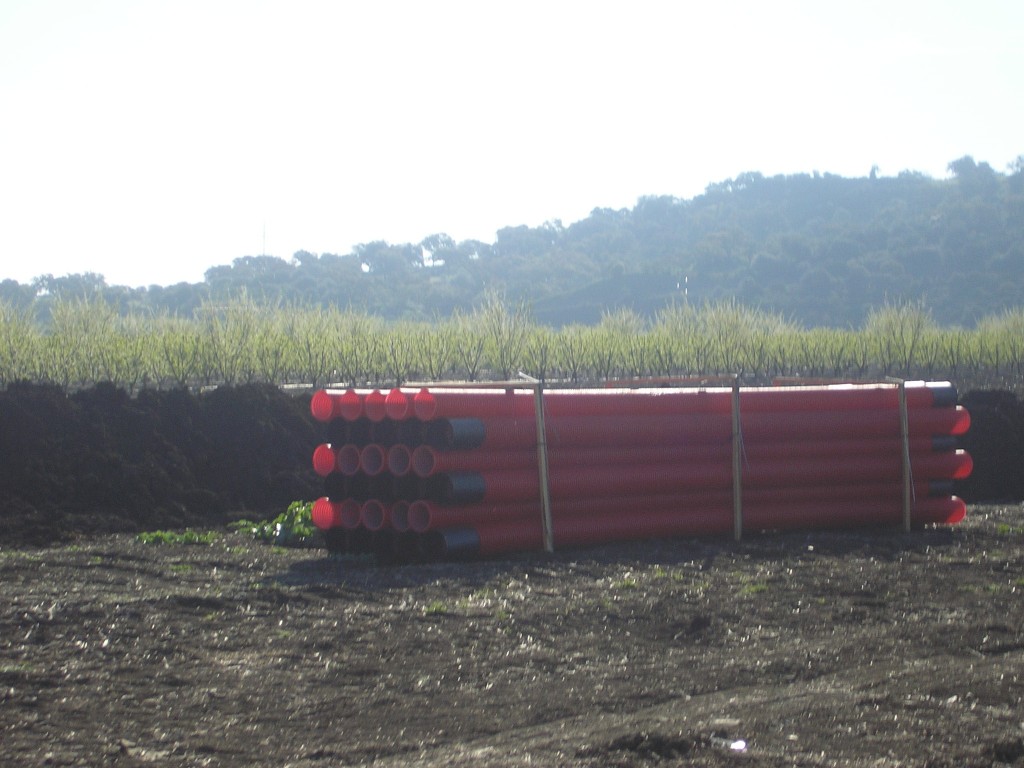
(819, 249)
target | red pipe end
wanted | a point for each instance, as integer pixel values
(347, 459)
(373, 515)
(375, 405)
(372, 459)
(326, 514)
(962, 423)
(959, 511)
(424, 460)
(418, 516)
(397, 405)
(964, 466)
(399, 460)
(349, 513)
(324, 460)
(349, 405)
(424, 404)
(322, 406)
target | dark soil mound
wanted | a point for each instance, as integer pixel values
(101, 461)
(996, 443)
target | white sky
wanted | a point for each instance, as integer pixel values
(150, 140)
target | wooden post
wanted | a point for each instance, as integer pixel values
(542, 462)
(737, 463)
(908, 471)
(908, 486)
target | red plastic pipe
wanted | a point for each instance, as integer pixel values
(702, 429)
(427, 461)
(327, 404)
(423, 515)
(832, 397)
(349, 513)
(326, 514)
(372, 459)
(399, 460)
(640, 480)
(321, 406)
(324, 460)
(374, 405)
(398, 404)
(496, 538)
(482, 403)
(373, 514)
(347, 459)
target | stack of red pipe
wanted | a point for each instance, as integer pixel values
(441, 471)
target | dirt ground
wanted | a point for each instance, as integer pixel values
(869, 647)
(857, 648)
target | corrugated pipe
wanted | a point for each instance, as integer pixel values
(495, 433)
(422, 515)
(372, 459)
(400, 460)
(646, 480)
(375, 405)
(373, 514)
(426, 460)
(347, 459)
(399, 515)
(497, 538)
(324, 460)
(327, 404)
(664, 401)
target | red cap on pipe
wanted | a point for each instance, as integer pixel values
(963, 465)
(397, 405)
(321, 405)
(375, 405)
(349, 405)
(324, 461)
(477, 403)
(326, 514)
(424, 404)
(958, 511)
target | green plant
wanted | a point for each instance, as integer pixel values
(293, 526)
(188, 536)
(754, 588)
(434, 608)
(626, 582)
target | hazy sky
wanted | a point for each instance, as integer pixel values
(148, 141)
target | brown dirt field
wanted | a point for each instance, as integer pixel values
(857, 648)
(870, 647)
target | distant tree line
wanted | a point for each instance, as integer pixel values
(820, 250)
